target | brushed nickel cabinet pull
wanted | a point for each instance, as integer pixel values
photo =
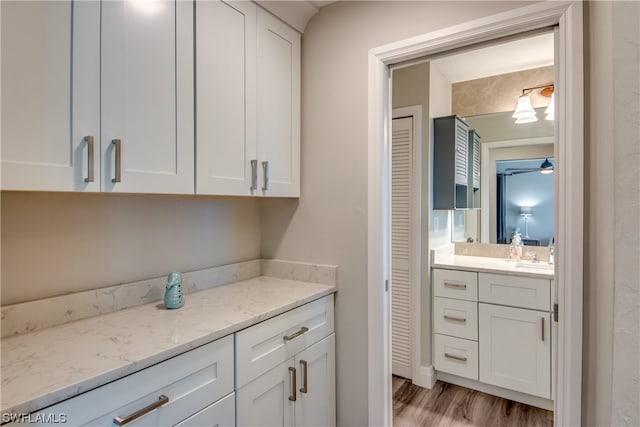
(118, 159)
(265, 176)
(455, 319)
(454, 357)
(295, 335)
(455, 285)
(90, 158)
(303, 366)
(254, 175)
(542, 329)
(162, 399)
(292, 371)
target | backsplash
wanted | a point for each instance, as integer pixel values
(43, 313)
(493, 250)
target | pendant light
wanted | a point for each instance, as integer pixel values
(546, 167)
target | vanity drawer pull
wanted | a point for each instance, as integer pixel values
(455, 319)
(295, 335)
(162, 399)
(455, 285)
(454, 357)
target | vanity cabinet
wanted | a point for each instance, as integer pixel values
(194, 388)
(98, 96)
(247, 101)
(450, 165)
(285, 368)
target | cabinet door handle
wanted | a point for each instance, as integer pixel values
(90, 158)
(454, 357)
(162, 399)
(296, 334)
(254, 175)
(455, 285)
(118, 159)
(292, 371)
(265, 176)
(303, 366)
(542, 329)
(455, 319)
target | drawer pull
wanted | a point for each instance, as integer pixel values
(454, 357)
(303, 366)
(295, 335)
(292, 396)
(90, 159)
(162, 399)
(455, 285)
(118, 160)
(455, 319)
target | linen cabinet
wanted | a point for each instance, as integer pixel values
(97, 96)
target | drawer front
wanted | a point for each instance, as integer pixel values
(525, 292)
(269, 343)
(191, 381)
(456, 356)
(220, 414)
(455, 317)
(455, 284)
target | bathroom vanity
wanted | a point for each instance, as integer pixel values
(493, 327)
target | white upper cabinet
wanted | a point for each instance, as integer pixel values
(49, 103)
(278, 120)
(147, 96)
(225, 97)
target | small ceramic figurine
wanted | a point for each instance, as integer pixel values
(173, 296)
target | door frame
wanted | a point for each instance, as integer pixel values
(568, 17)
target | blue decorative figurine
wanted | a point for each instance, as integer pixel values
(173, 296)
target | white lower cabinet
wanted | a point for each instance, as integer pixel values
(515, 349)
(220, 414)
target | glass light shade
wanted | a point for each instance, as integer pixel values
(551, 109)
(524, 112)
(525, 210)
(546, 167)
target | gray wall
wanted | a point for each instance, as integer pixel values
(56, 243)
(330, 222)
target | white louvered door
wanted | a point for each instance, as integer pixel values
(401, 191)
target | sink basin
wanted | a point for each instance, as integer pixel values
(536, 265)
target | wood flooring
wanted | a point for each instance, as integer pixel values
(451, 405)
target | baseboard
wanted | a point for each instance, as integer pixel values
(516, 396)
(425, 376)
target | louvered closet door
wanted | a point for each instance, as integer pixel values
(401, 172)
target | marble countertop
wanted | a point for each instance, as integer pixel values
(450, 261)
(47, 366)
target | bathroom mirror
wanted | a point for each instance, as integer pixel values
(523, 186)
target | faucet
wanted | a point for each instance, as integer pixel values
(535, 258)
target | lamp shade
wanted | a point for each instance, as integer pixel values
(524, 112)
(551, 109)
(525, 210)
(546, 167)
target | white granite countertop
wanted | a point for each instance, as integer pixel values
(450, 261)
(47, 366)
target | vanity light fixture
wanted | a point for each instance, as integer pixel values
(526, 212)
(551, 109)
(524, 112)
(546, 167)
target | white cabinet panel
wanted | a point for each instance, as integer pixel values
(278, 107)
(46, 109)
(315, 405)
(219, 414)
(225, 96)
(456, 356)
(455, 317)
(515, 349)
(147, 96)
(265, 400)
(525, 292)
(455, 284)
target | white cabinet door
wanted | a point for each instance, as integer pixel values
(147, 96)
(265, 401)
(46, 109)
(315, 366)
(225, 97)
(278, 103)
(515, 349)
(219, 414)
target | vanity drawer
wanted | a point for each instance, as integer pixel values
(269, 343)
(525, 292)
(456, 356)
(455, 317)
(455, 284)
(190, 381)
